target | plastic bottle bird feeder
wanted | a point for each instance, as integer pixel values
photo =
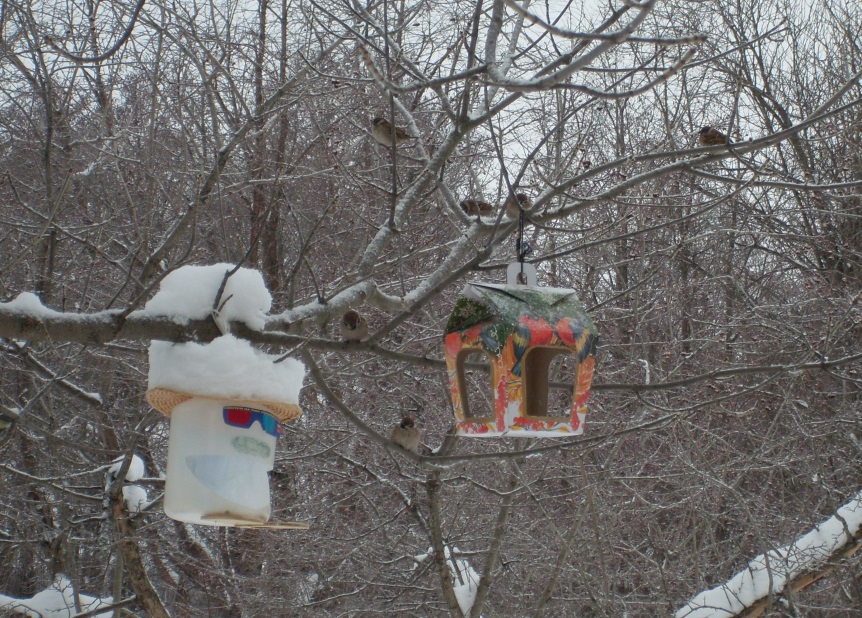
(224, 397)
(220, 453)
(528, 337)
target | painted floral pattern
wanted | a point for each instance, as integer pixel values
(505, 322)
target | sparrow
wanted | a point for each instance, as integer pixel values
(511, 205)
(381, 131)
(476, 207)
(406, 435)
(353, 326)
(712, 137)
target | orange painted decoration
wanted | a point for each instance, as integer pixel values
(504, 323)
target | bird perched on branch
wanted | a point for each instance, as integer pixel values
(476, 207)
(381, 131)
(353, 326)
(511, 205)
(712, 137)
(406, 435)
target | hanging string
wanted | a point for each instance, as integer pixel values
(522, 246)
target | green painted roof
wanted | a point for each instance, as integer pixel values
(485, 302)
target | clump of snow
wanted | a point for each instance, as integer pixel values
(30, 304)
(226, 367)
(136, 468)
(189, 293)
(57, 601)
(465, 580)
(135, 498)
(769, 573)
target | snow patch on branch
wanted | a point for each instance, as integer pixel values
(136, 468)
(27, 303)
(135, 498)
(770, 573)
(465, 580)
(226, 367)
(189, 293)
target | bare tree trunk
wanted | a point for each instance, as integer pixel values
(133, 559)
(433, 488)
(271, 235)
(493, 553)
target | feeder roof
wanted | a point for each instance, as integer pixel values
(486, 302)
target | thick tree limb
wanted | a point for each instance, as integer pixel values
(805, 580)
(493, 555)
(781, 572)
(134, 562)
(100, 328)
(434, 488)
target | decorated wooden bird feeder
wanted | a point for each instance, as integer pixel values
(528, 337)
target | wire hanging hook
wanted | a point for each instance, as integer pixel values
(522, 247)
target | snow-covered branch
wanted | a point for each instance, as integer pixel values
(771, 575)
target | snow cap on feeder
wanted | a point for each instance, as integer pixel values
(528, 336)
(225, 400)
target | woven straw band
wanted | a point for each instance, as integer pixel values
(165, 401)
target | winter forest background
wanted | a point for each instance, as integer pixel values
(725, 415)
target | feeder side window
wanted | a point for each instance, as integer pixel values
(475, 385)
(544, 370)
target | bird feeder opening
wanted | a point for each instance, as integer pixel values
(476, 385)
(543, 367)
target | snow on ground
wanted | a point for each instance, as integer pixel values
(225, 367)
(771, 572)
(57, 601)
(189, 293)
